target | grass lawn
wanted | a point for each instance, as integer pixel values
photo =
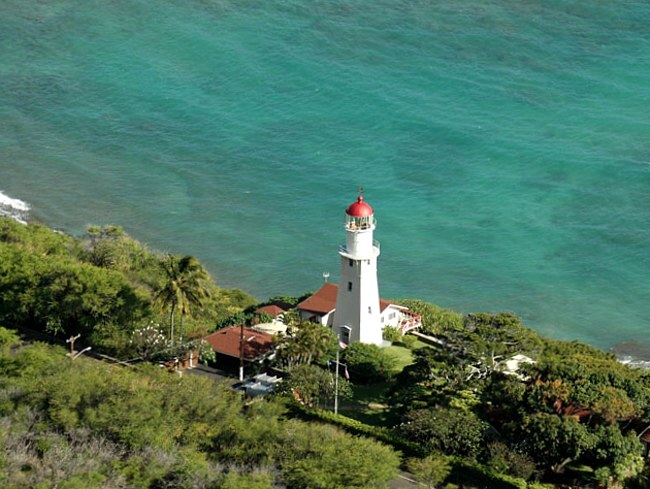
(368, 405)
(420, 344)
(402, 355)
(371, 393)
(369, 402)
(374, 417)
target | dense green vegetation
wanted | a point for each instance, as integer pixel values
(435, 319)
(309, 342)
(572, 414)
(464, 412)
(458, 408)
(369, 363)
(105, 286)
(84, 424)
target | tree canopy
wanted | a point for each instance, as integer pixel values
(83, 423)
(183, 289)
(573, 411)
(569, 412)
(310, 342)
(101, 285)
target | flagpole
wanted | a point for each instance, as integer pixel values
(336, 378)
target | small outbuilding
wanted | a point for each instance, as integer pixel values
(276, 326)
(228, 343)
(272, 310)
(320, 307)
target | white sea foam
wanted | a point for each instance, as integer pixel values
(13, 208)
(630, 361)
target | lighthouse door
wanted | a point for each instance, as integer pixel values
(345, 334)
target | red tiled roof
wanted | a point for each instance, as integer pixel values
(383, 304)
(322, 301)
(226, 342)
(272, 310)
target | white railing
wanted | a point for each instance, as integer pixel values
(344, 249)
(413, 321)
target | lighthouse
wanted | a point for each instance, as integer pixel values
(358, 314)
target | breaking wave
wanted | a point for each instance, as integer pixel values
(14, 208)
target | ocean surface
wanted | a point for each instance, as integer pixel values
(505, 146)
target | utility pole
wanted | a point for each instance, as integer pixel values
(241, 352)
(71, 340)
(336, 378)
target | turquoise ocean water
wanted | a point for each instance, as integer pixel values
(505, 146)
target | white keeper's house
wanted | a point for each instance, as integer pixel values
(353, 309)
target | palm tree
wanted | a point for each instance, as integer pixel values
(309, 344)
(193, 287)
(183, 289)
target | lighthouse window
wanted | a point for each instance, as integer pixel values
(369, 310)
(351, 262)
(349, 285)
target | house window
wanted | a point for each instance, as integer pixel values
(351, 262)
(349, 286)
(382, 320)
(391, 315)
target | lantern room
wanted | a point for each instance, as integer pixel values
(359, 216)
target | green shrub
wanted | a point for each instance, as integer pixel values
(357, 427)
(450, 431)
(431, 470)
(503, 460)
(313, 385)
(8, 339)
(435, 319)
(465, 471)
(368, 363)
(392, 334)
(409, 341)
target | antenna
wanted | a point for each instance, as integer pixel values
(326, 275)
(360, 190)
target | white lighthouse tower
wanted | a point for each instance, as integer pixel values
(358, 316)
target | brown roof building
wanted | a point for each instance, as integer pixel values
(321, 307)
(227, 341)
(323, 301)
(272, 310)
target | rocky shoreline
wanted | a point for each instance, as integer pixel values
(14, 208)
(630, 353)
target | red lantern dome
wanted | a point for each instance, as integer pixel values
(359, 209)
